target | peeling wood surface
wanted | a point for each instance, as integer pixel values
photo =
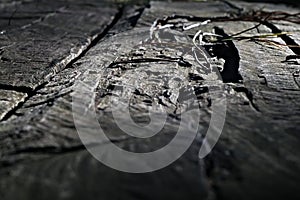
(44, 53)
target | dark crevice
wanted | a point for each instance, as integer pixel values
(139, 60)
(290, 58)
(22, 89)
(227, 51)
(34, 91)
(49, 150)
(295, 75)
(134, 19)
(195, 77)
(21, 103)
(97, 39)
(180, 61)
(249, 96)
(49, 101)
(264, 80)
(288, 40)
(200, 90)
(129, 19)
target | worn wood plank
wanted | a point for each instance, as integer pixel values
(257, 156)
(39, 38)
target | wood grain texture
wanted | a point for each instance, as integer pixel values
(41, 155)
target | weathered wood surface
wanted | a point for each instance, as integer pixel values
(41, 156)
(39, 38)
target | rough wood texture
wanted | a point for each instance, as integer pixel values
(41, 156)
(39, 38)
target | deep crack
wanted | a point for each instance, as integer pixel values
(32, 92)
(294, 46)
(228, 51)
(22, 89)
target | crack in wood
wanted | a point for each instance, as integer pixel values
(32, 92)
(22, 89)
(291, 44)
(228, 51)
